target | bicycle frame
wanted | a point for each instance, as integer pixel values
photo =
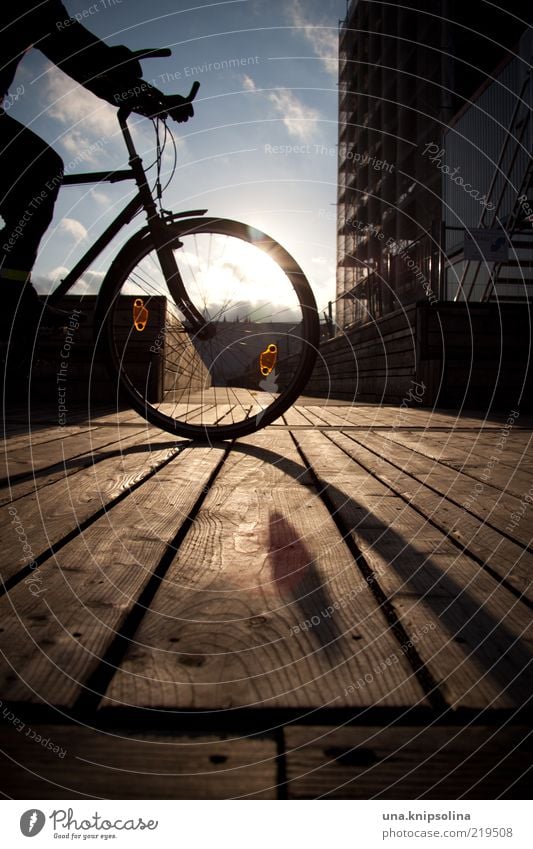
(156, 226)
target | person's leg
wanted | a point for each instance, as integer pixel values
(30, 177)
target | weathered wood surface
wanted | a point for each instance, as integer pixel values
(341, 562)
(63, 502)
(262, 559)
(409, 762)
(55, 632)
(86, 763)
(472, 634)
(29, 457)
(498, 551)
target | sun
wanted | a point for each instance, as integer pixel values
(226, 278)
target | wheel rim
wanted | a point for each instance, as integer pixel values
(261, 339)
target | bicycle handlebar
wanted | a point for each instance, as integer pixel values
(149, 53)
(193, 92)
(153, 53)
(164, 53)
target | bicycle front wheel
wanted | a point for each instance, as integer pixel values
(263, 330)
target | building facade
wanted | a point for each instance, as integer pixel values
(403, 74)
(485, 157)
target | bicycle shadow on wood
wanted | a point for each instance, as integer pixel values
(93, 458)
(483, 638)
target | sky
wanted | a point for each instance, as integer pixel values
(262, 147)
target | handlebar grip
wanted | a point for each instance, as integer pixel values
(155, 53)
(193, 92)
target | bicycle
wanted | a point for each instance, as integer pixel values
(236, 329)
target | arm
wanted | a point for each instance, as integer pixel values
(112, 73)
(109, 72)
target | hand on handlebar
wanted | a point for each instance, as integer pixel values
(179, 108)
(148, 101)
(154, 104)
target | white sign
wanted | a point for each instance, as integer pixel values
(488, 245)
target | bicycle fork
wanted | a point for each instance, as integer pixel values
(159, 232)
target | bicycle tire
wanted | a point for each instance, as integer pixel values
(111, 333)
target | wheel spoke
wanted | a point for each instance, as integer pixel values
(215, 381)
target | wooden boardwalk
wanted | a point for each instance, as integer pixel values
(339, 605)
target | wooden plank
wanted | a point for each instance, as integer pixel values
(305, 400)
(460, 449)
(490, 627)
(409, 762)
(485, 443)
(505, 468)
(391, 352)
(21, 421)
(339, 417)
(416, 417)
(45, 434)
(337, 467)
(132, 764)
(296, 416)
(52, 512)
(471, 633)
(489, 505)
(28, 459)
(125, 442)
(228, 627)
(51, 642)
(505, 557)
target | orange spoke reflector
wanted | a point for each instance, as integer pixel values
(267, 359)
(140, 314)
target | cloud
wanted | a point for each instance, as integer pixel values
(248, 83)
(74, 228)
(81, 149)
(57, 274)
(76, 107)
(92, 129)
(323, 39)
(89, 283)
(101, 197)
(299, 119)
